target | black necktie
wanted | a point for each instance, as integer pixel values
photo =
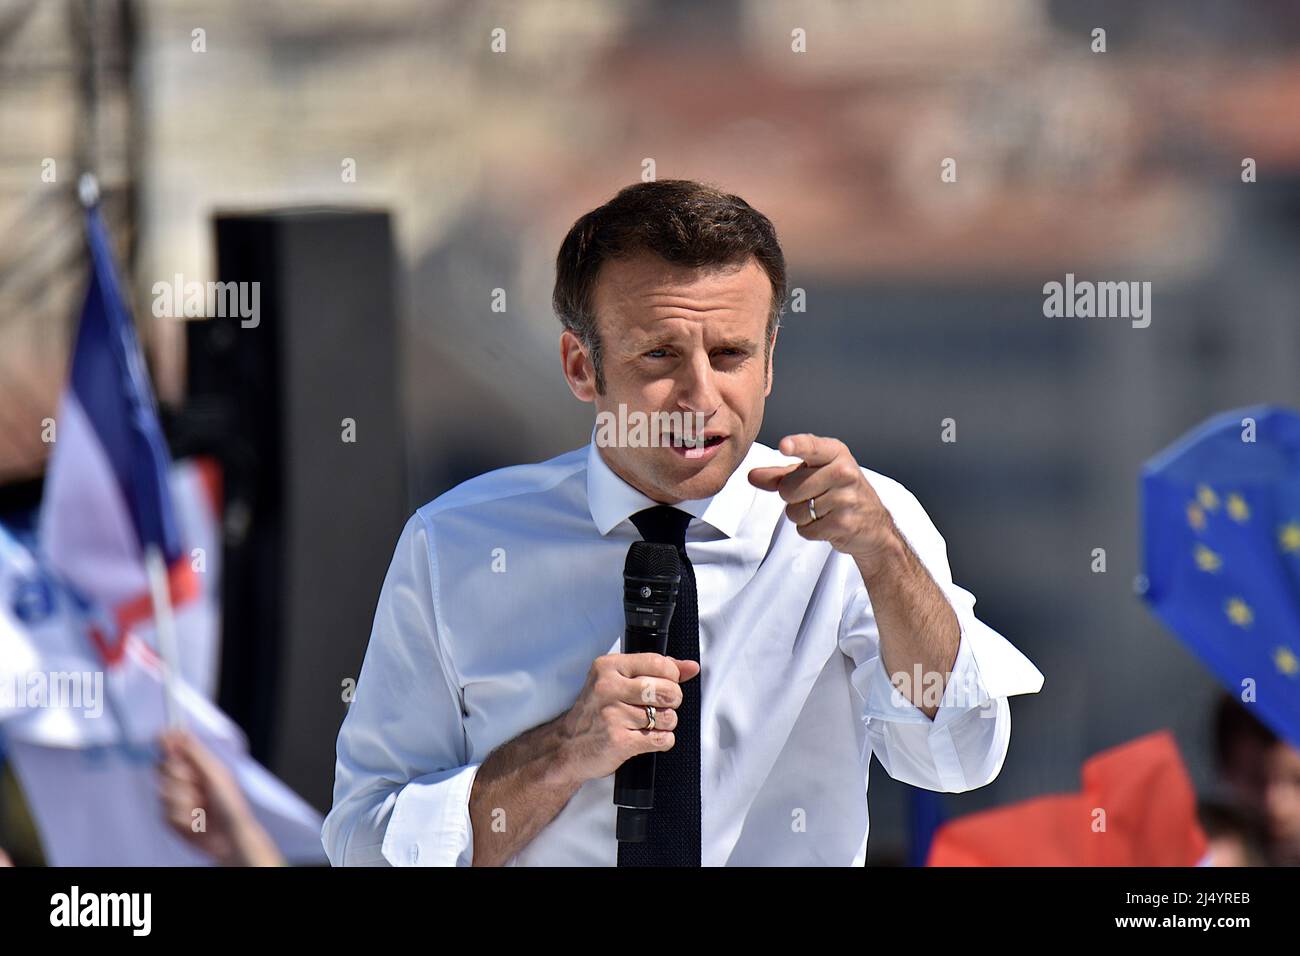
(674, 833)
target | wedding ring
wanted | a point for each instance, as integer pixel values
(650, 718)
(812, 509)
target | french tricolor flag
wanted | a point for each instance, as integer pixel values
(107, 516)
(116, 522)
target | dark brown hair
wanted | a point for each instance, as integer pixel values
(1233, 723)
(684, 222)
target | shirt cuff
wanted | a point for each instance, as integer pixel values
(430, 823)
(963, 691)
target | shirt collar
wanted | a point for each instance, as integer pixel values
(612, 500)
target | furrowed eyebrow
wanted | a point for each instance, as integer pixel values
(647, 345)
(743, 345)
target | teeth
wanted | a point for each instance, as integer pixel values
(698, 443)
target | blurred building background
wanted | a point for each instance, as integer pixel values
(923, 299)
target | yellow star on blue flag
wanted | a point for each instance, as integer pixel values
(1221, 553)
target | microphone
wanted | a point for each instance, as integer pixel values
(652, 574)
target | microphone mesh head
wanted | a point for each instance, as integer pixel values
(646, 560)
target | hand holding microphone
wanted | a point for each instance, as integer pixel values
(605, 726)
(627, 709)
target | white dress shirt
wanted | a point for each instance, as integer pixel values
(505, 589)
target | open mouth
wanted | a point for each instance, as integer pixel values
(695, 448)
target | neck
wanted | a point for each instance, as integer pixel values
(653, 494)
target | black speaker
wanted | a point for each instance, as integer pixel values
(299, 399)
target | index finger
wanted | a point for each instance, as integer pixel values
(814, 450)
(647, 665)
(769, 477)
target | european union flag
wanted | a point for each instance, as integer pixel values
(1221, 536)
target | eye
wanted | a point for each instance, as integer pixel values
(657, 353)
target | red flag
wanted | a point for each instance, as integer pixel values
(1137, 808)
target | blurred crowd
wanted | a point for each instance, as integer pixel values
(1254, 817)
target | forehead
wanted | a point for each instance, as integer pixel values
(644, 290)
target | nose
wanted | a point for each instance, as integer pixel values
(697, 387)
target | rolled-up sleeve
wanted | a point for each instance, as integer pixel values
(965, 744)
(402, 778)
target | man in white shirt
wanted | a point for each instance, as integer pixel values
(818, 614)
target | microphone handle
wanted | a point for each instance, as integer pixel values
(634, 782)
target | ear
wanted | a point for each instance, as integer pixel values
(771, 363)
(578, 370)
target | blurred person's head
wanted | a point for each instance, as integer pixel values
(671, 295)
(1262, 771)
(1241, 744)
(1282, 802)
(1235, 835)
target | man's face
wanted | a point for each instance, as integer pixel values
(677, 339)
(1282, 802)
